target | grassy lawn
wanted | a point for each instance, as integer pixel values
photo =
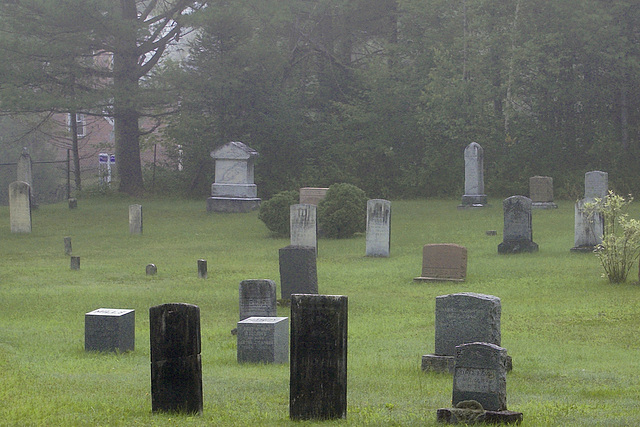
(572, 335)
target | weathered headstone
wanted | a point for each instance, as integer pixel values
(263, 340)
(588, 228)
(75, 263)
(20, 207)
(176, 366)
(378, 238)
(110, 329)
(73, 203)
(234, 189)
(541, 192)
(443, 262)
(473, 177)
(303, 225)
(596, 185)
(298, 271)
(67, 245)
(462, 318)
(135, 219)
(318, 363)
(312, 195)
(151, 269)
(257, 298)
(518, 234)
(202, 269)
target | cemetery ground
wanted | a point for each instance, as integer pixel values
(574, 337)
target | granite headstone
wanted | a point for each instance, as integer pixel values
(518, 234)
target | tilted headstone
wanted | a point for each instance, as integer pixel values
(234, 189)
(202, 269)
(378, 238)
(541, 192)
(110, 329)
(176, 365)
(298, 271)
(75, 263)
(312, 195)
(303, 225)
(318, 362)
(588, 228)
(20, 207)
(151, 270)
(135, 219)
(263, 340)
(473, 177)
(257, 298)
(518, 234)
(67, 245)
(596, 185)
(443, 262)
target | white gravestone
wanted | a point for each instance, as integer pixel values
(20, 207)
(378, 228)
(596, 185)
(473, 177)
(135, 219)
(304, 226)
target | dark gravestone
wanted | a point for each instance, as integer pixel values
(176, 367)
(109, 329)
(257, 298)
(318, 362)
(443, 262)
(202, 269)
(518, 235)
(67, 245)
(263, 340)
(151, 269)
(298, 272)
(73, 203)
(75, 263)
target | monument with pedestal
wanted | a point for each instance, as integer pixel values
(233, 189)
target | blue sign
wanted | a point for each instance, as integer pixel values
(103, 158)
(112, 159)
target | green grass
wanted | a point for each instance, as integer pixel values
(572, 335)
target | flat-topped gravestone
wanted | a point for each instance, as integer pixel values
(20, 207)
(596, 185)
(176, 365)
(304, 226)
(67, 246)
(135, 219)
(75, 263)
(202, 269)
(588, 228)
(443, 262)
(312, 195)
(541, 192)
(234, 189)
(473, 177)
(517, 235)
(263, 340)
(378, 238)
(298, 271)
(110, 329)
(318, 362)
(257, 298)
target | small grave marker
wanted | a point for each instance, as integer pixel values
(151, 269)
(67, 245)
(263, 340)
(75, 263)
(202, 269)
(110, 329)
(443, 262)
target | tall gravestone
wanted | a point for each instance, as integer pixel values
(312, 195)
(135, 219)
(318, 361)
(257, 298)
(378, 237)
(518, 234)
(304, 226)
(541, 192)
(298, 271)
(473, 177)
(443, 262)
(25, 173)
(589, 225)
(234, 189)
(20, 207)
(459, 319)
(176, 365)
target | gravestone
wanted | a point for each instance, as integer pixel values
(75, 263)
(135, 219)
(176, 365)
(541, 192)
(312, 195)
(20, 207)
(480, 375)
(459, 319)
(234, 189)
(588, 228)
(443, 262)
(151, 269)
(474, 196)
(110, 329)
(378, 238)
(202, 269)
(263, 340)
(517, 235)
(318, 362)
(257, 298)
(67, 245)
(24, 168)
(304, 226)
(596, 185)
(298, 272)
(73, 203)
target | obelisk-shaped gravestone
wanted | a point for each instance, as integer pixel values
(473, 177)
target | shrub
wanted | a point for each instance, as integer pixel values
(620, 245)
(343, 211)
(275, 211)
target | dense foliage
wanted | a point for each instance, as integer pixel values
(343, 211)
(275, 212)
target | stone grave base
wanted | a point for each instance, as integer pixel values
(543, 205)
(473, 201)
(232, 205)
(436, 279)
(435, 363)
(517, 246)
(583, 249)
(446, 415)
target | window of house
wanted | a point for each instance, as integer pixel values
(80, 124)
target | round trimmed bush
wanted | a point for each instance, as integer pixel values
(275, 211)
(343, 211)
